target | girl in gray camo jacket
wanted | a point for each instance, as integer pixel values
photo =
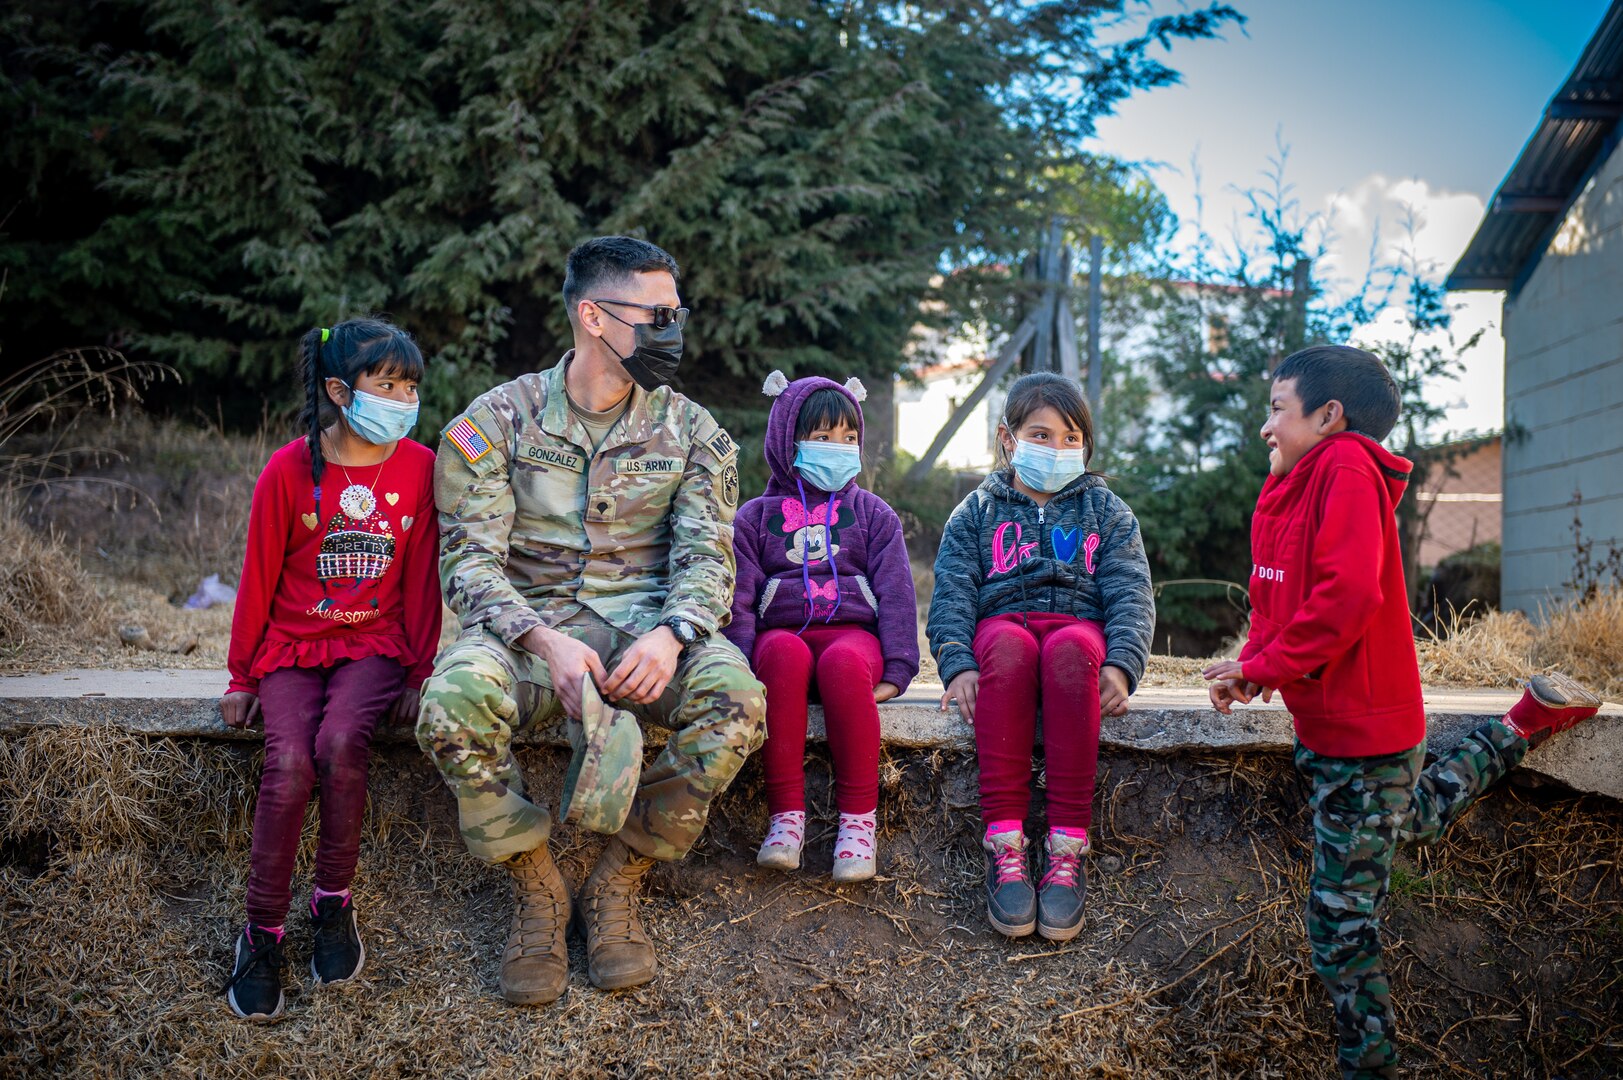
(1042, 597)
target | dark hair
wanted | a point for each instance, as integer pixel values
(826, 408)
(610, 260)
(1368, 395)
(1031, 392)
(353, 348)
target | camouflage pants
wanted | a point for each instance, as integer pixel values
(482, 693)
(1362, 808)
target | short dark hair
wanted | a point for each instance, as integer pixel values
(1031, 392)
(824, 409)
(610, 260)
(1368, 395)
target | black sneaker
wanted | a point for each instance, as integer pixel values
(1011, 905)
(336, 953)
(255, 989)
(1063, 888)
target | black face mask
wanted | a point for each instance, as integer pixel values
(657, 355)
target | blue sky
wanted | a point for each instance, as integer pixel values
(1383, 105)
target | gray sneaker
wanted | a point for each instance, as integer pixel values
(1011, 904)
(1063, 888)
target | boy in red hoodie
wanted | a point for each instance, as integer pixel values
(1330, 631)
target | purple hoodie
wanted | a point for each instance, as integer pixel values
(781, 543)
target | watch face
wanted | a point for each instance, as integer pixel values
(684, 632)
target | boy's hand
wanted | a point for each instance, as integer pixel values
(884, 692)
(239, 708)
(963, 688)
(1229, 685)
(1112, 691)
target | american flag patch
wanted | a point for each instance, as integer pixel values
(468, 439)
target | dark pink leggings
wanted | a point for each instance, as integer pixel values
(846, 664)
(318, 726)
(1022, 657)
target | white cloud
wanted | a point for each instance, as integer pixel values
(1406, 220)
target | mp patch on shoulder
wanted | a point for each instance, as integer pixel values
(468, 439)
(721, 444)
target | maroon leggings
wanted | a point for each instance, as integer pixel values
(846, 664)
(1020, 657)
(318, 726)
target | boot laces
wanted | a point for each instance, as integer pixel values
(1062, 869)
(1010, 861)
(267, 949)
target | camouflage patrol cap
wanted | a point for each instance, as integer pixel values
(604, 773)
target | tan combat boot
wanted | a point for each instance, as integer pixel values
(535, 964)
(619, 954)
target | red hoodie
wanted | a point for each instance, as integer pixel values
(1330, 612)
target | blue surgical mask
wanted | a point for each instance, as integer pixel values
(1045, 468)
(828, 466)
(379, 420)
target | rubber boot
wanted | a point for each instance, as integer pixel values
(535, 964)
(618, 952)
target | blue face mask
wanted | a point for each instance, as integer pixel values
(828, 466)
(1045, 468)
(379, 420)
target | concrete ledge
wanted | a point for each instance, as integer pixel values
(183, 703)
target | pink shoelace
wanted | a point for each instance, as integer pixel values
(1062, 870)
(856, 836)
(1010, 861)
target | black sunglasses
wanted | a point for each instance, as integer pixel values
(663, 316)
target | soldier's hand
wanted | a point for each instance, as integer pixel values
(1112, 691)
(646, 668)
(405, 709)
(239, 708)
(567, 660)
(964, 687)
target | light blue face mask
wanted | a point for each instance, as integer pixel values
(1045, 468)
(828, 466)
(379, 420)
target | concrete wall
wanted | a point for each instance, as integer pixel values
(1465, 500)
(1564, 396)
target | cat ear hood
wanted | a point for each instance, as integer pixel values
(787, 398)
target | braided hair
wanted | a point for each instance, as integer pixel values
(345, 352)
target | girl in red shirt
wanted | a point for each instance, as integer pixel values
(336, 623)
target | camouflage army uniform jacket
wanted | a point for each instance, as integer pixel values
(534, 526)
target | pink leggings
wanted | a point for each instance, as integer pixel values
(318, 727)
(846, 664)
(1020, 657)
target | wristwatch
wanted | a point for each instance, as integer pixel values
(686, 633)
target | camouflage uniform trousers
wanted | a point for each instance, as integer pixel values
(1362, 808)
(482, 693)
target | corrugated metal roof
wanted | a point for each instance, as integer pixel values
(1580, 127)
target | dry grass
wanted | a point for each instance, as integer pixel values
(1504, 647)
(42, 586)
(124, 871)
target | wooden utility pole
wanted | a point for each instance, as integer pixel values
(1096, 263)
(1049, 328)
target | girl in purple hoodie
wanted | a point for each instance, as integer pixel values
(824, 600)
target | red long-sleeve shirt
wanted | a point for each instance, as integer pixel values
(1330, 612)
(361, 580)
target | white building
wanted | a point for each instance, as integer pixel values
(1552, 239)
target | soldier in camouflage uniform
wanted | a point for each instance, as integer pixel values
(586, 524)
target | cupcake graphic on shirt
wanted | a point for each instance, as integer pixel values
(357, 549)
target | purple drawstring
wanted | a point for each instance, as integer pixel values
(805, 563)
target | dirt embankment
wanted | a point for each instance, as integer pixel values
(124, 867)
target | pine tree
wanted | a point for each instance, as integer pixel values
(201, 184)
